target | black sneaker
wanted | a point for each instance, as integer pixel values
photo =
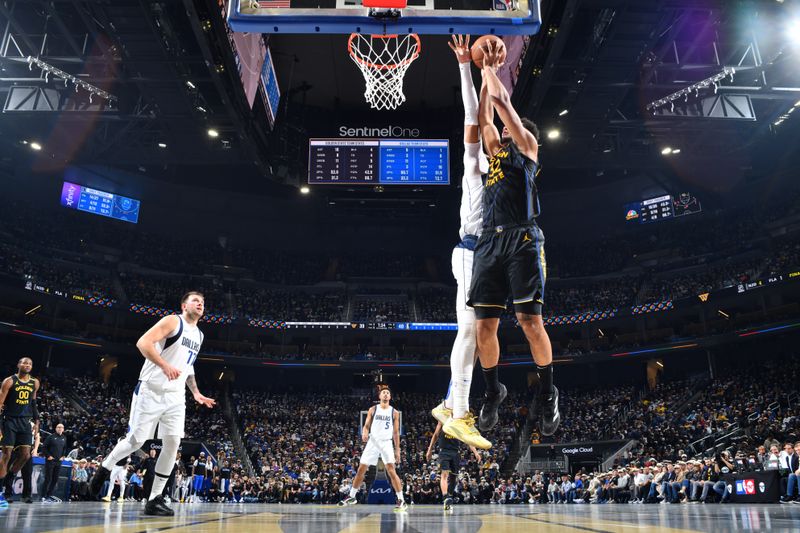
(158, 507)
(488, 417)
(27, 500)
(549, 417)
(96, 484)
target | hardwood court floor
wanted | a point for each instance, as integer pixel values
(245, 518)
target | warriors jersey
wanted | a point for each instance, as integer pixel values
(382, 423)
(475, 164)
(509, 195)
(180, 350)
(19, 400)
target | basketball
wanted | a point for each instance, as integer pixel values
(480, 42)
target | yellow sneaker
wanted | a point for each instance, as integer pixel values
(464, 430)
(441, 413)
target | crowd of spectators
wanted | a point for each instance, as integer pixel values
(383, 310)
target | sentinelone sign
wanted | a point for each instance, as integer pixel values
(385, 131)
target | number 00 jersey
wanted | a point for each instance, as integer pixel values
(19, 400)
(180, 350)
(382, 423)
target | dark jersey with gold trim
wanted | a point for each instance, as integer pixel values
(509, 195)
(19, 400)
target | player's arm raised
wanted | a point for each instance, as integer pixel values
(489, 133)
(367, 424)
(429, 453)
(191, 384)
(146, 344)
(501, 101)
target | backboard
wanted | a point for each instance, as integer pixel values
(425, 17)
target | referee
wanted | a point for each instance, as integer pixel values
(509, 256)
(53, 451)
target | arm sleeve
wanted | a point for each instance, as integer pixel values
(468, 95)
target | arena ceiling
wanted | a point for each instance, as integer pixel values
(590, 73)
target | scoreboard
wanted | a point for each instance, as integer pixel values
(661, 208)
(379, 161)
(74, 196)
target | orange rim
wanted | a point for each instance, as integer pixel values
(388, 66)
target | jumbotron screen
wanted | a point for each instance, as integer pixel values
(74, 196)
(379, 161)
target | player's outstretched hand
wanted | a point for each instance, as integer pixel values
(460, 46)
(170, 371)
(202, 400)
(491, 55)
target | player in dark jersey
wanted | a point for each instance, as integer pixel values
(509, 257)
(18, 404)
(449, 461)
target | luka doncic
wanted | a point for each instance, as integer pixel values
(18, 403)
(509, 256)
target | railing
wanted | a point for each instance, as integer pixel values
(236, 434)
(609, 462)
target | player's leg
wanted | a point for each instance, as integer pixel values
(487, 295)
(527, 272)
(357, 481)
(146, 409)
(444, 482)
(397, 485)
(170, 430)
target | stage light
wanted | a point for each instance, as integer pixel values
(36, 146)
(305, 189)
(213, 133)
(190, 84)
(162, 145)
(553, 134)
(666, 150)
(676, 151)
(564, 112)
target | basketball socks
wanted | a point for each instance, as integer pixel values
(492, 381)
(353, 492)
(468, 95)
(462, 363)
(400, 496)
(159, 483)
(545, 380)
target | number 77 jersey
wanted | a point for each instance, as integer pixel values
(180, 350)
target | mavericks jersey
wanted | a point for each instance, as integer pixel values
(19, 400)
(509, 195)
(475, 164)
(180, 350)
(382, 423)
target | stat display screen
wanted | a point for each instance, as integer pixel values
(379, 161)
(74, 196)
(661, 208)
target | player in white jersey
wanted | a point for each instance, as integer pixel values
(453, 412)
(170, 349)
(381, 430)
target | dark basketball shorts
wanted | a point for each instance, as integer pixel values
(16, 432)
(508, 262)
(449, 460)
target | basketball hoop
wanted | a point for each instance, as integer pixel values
(383, 61)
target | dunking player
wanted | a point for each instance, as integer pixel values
(449, 461)
(18, 404)
(454, 413)
(509, 256)
(384, 429)
(170, 349)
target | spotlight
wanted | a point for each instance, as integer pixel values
(162, 145)
(793, 31)
(213, 133)
(553, 134)
(676, 151)
(666, 150)
(36, 146)
(304, 189)
(564, 112)
(190, 84)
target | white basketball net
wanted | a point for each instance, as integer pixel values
(384, 60)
